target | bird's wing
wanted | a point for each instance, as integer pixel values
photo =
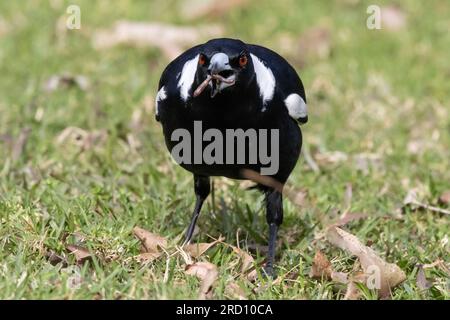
(174, 87)
(278, 81)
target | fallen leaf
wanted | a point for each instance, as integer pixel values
(246, 258)
(421, 280)
(438, 263)
(195, 9)
(296, 196)
(348, 197)
(151, 242)
(235, 291)
(18, 146)
(74, 279)
(444, 198)
(387, 275)
(32, 176)
(411, 200)
(353, 292)
(86, 140)
(198, 249)
(207, 273)
(309, 160)
(252, 275)
(66, 81)
(321, 268)
(172, 40)
(347, 217)
(55, 259)
(330, 158)
(366, 161)
(147, 257)
(81, 254)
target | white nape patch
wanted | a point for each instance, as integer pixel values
(162, 94)
(264, 78)
(187, 77)
(296, 106)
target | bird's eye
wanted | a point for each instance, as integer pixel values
(201, 60)
(243, 61)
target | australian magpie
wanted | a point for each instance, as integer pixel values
(228, 84)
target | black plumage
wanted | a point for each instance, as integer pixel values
(264, 92)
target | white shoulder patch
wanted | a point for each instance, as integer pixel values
(162, 94)
(296, 106)
(264, 78)
(187, 77)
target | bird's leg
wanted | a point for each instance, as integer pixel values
(274, 216)
(202, 189)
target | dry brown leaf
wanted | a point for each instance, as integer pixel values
(19, 145)
(151, 242)
(388, 275)
(198, 249)
(235, 291)
(393, 18)
(296, 196)
(81, 254)
(309, 160)
(347, 217)
(353, 292)
(170, 39)
(411, 200)
(195, 9)
(444, 198)
(252, 275)
(55, 259)
(330, 158)
(421, 280)
(207, 273)
(147, 257)
(246, 258)
(65, 81)
(366, 161)
(348, 195)
(440, 264)
(321, 268)
(86, 140)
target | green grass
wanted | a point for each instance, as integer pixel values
(376, 92)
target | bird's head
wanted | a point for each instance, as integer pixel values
(223, 65)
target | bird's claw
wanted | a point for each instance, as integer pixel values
(269, 272)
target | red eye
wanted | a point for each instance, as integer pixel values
(243, 61)
(201, 60)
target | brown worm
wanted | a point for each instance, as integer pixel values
(222, 79)
(204, 84)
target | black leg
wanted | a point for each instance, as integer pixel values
(274, 216)
(202, 189)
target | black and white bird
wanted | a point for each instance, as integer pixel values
(228, 84)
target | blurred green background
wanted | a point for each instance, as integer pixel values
(80, 151)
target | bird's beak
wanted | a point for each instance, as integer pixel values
(221, 73)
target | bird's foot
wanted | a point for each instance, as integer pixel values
(269, 272)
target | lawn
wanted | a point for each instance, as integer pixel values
(84, 162)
